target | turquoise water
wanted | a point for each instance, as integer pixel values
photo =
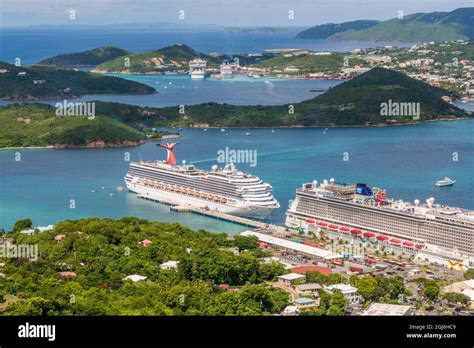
(182, 90)
(404, 160)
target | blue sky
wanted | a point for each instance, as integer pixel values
(221, 12)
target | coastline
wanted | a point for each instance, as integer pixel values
(88, 146)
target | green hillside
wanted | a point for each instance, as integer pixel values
(35, 83)
(86, 58)
(434, 26)
(353, 103)
(101, 253)
(324, 31)
(26, 125)
(309, 62)
(175, 57)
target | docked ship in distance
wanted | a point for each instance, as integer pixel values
(360, 213)
(226, 190)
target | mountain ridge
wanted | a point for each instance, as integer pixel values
(417, 27)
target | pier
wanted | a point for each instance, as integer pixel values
(217, 215)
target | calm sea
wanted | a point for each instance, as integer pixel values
(404, 160)
(33, 45)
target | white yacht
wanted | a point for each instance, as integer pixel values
(445, 182)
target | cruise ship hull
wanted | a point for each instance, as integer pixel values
(198, 76)
(241, 208)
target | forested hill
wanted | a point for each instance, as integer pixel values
(324, 31)
(418, 27)
(86, 58)
(98, 254)
(175, 57)
(36, 83)
(37, 125)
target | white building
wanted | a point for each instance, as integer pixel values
(291, 278)
(349, 292)
(308, 289)
(135, 278)
(322, 254)
(169, 265)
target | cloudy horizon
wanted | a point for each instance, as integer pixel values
(21, 13)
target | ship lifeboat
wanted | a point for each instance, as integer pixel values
(333, 227)
(418, 246)
(310, 221)
(381, 237)
(368, 234)
(322, 224)
(225, 201)
(395, 241)
(408, 244)
(344, 230)
(356, 231)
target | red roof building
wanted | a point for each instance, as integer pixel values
(146, 242)
(303, 269)
(67, 274)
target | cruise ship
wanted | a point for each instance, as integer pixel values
(226, 190)
(366, 214)
(197, 68)
(226, 70)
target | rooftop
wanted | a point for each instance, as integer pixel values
(310, 286)
(304, 300)
(306, 249)
(291, 276)
(135, 278)
(379, 309)
(342, 287)
(303, 269)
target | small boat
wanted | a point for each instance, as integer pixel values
(273, 131)
(248, 134)
(205, 129)
(222, 130)
(445, 182)
(120, 189)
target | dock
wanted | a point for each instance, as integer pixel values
(188, 208)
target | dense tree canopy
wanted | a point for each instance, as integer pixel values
(102, 252)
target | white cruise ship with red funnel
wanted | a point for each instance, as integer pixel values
(227, 190)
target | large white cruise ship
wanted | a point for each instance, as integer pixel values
(226, 190)
(197, 68)
(366, 214)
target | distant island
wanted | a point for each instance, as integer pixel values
(88, 58)
(359, 102)
(324, 31)
(418, 27)
(37, 83)
(171, 58)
